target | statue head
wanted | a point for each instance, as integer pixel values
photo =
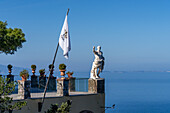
(98, 48)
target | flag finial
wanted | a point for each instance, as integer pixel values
(68, 11)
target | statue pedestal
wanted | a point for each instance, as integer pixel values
(24, 89)
(96, 85)
(34, 81)
(62, 87)
(52, 84)
(11, 78)
(72, 84)
(42, 82)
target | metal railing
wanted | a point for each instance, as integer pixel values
(81, 84)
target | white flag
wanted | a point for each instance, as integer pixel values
(64, 40)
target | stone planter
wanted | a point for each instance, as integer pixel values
(34, 81)
(9, 71)
(69, 75)
(24, 74)
(62, 73)
(52, 84)
(24, 78)
(42, 82)
(33, 71)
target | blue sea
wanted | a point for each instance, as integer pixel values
(137, 92)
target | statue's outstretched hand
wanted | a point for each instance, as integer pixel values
(93, 48)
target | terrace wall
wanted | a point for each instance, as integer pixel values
(90, 102)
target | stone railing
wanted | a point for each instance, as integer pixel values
(62, 87)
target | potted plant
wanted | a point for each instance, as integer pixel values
(69, 74)
(9, 68)
(62, 68)
(33, 67)
(34, 81)
(51, 71)
(51, 66)
(42, 72)
(24, 74)
(10, 76)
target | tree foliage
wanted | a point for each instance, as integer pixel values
(6, 102)
(64, 108)
(10, 39)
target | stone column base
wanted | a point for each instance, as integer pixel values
(52, 84)
(42, 82)
(96, 85)
(62, 87)
(34, 81)
(24, 89)
(11, 78)
(72, 84)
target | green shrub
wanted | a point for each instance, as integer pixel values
(42, 71)
(64, 108)
(9, 66)
(51, 66)
(33, 66)
(62, 66)
(24, 73)
(6, 102)
(69, 73)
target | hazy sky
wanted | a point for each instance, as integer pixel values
(133, 34)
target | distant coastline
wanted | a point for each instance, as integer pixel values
(136, 71)
(16, 70)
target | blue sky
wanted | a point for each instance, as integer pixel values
(133, 34)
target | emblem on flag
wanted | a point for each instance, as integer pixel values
(64, 40)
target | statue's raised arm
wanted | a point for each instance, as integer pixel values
(94, 50)
(98, 63)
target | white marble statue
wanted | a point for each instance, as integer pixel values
(98, 63)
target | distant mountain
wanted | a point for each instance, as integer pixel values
(15, 70)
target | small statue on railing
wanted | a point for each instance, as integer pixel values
(34, 78)
(51, 69)
(33, 68)
(10, 76)
(10, 69)
(98, 63)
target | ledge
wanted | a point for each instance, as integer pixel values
(51, 95)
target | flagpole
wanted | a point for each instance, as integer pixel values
(40, 104)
